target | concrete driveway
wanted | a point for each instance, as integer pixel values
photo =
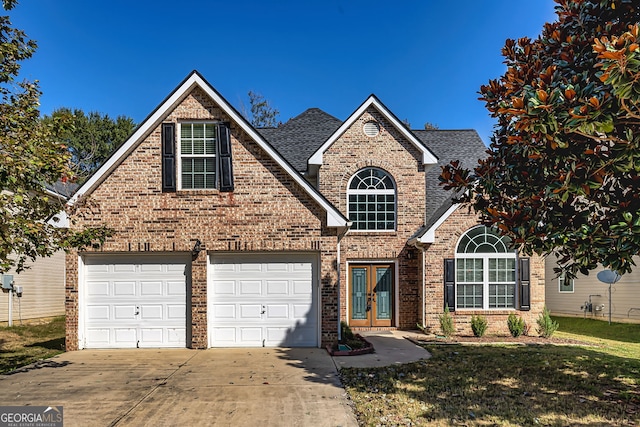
(239, 387)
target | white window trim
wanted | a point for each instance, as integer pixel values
(385, 191)
(573, 284)
(485, 279)
(203, 156)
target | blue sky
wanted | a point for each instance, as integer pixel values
(424, 59)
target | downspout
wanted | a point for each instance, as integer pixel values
(341, 234)
(419, 246)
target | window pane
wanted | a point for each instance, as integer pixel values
(187, 165)
(468, 296)
(198, 146)
(198, 165)
(187, 181)
(198, 130)
(185, 131)
(185, 147)
(198, 181)
(502, 295)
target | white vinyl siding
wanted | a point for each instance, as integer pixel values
(43, 290)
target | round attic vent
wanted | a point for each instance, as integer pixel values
(371, 128)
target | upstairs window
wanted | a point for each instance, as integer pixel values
(197, 155)
(371, 200)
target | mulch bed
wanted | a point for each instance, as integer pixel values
(494, 339)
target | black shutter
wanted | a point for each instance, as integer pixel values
(168, 157)
(449, 283)
(524, 281)
(225, 164)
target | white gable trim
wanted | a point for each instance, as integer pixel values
(428, 158)
(334, 217)
(429, 236)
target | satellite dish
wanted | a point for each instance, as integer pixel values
(608, 276)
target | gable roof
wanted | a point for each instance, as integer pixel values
(301, 136)
(193, 80)
(428, 158)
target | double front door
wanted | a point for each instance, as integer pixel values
(371, 294)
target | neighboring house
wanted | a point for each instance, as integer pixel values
(588, 297)
(42, 281)
(226, 235)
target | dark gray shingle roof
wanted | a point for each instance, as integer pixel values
(64, 189)
(301, 136)
(463, 145)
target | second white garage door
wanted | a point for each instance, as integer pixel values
(263, 300)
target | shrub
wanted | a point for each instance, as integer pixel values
(446, 323)
(546, 326)
(516, 325)
(348, 337)
(479, 325)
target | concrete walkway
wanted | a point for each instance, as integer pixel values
(391, 348)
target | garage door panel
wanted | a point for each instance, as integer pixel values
(98, 312)
(224, 311)
(124, 268)
(225, 287)
(151, 312)
(151, 288)
(250, 311)
(98, 288)
(276, 311)
(125, 337)
(250, 287)
(124, 288)
(277, 287)
(135, 301)
(176, 288)
(263, 299)
(124, 312)
(251, 336)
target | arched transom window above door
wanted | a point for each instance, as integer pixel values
(371, 200)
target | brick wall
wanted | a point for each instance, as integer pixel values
(446, 238)
(390, 151)
(267, 211)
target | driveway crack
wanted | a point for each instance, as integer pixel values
(158, 385)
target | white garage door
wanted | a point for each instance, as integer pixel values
(135, 301)
(263, 300)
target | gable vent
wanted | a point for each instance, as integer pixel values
(371, 128)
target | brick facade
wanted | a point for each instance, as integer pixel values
(269, 212)
(391, 152)
(446, 238)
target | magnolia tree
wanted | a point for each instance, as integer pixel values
(563, 169)
(30, 158)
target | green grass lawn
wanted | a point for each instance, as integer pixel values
(22, 345)
(510, 385)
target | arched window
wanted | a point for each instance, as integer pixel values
(371, 197)
(485, 270)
